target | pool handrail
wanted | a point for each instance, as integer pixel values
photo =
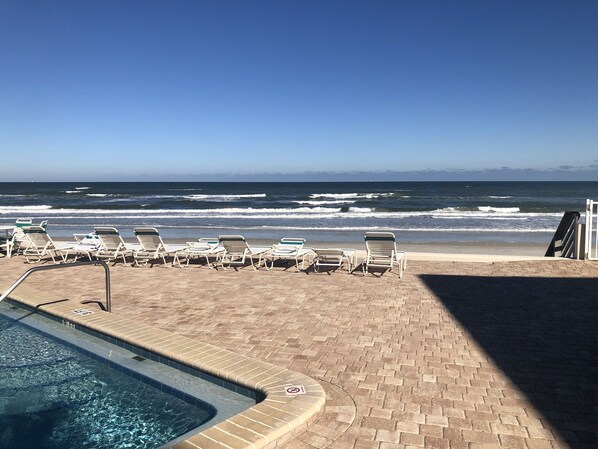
(25, 275)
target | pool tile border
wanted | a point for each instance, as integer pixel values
(276, 417)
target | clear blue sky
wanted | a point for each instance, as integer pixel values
(125, 90)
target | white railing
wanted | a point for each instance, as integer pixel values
(591, 236)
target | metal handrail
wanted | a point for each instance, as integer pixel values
(52, 267)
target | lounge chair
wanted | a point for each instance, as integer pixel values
(5, 242)
(204, 248)
(382, 252)
(152, 246)
(288, 249)
(85, 245)
(41, 245)
(113, 246)
(236, 251)
(18, 241)
(334, 258)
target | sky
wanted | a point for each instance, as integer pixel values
(381, 90)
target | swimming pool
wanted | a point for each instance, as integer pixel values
(63, 388)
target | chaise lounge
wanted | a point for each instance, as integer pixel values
(382, 252)
(152, 247)
(288, 249)
(39, 245)
(113, 246)
(236, 251)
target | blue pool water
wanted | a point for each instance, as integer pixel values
(53, 396)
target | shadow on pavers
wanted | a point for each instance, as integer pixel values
(543, 334)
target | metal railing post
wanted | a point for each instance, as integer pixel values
(25, 275)
(589, 229)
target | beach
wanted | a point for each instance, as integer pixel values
(456, 354)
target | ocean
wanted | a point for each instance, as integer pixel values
(417, 212)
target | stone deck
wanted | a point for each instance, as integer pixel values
(454, 355)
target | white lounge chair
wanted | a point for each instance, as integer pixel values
(18, 242)
(41, 245)
(382, 252)
(236, 251)
(207, 248)
(334, 258)
(85, 245)
(152, 246)
(113, 246)
(288, 249)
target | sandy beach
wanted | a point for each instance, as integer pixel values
(476, 353)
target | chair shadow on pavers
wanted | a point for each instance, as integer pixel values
(542, 333)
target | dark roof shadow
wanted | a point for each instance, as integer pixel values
(543, 334)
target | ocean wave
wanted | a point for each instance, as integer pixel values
(275, 213)
(83, 188)
(196, 189)
(324, 202)
(334, 195)
(98, 194)
(72, 191)
(361, 210)
(481, 209)
(500, 197)
(24, 209)
(499, 210)
(352, 195)
(201, 197)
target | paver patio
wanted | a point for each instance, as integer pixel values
(454, 355)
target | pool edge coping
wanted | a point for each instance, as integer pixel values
(268, 424)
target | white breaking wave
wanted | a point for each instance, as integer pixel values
(351, 195)
(24, 209)
(323, 202)
(82, 188)
(334, 195)
(500, 197)
(487, 213)
(200, 197)
(97, 194)
(302, 213)
(499, 210)
(72, 191)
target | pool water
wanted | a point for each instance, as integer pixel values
(52, 396)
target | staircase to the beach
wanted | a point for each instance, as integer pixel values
(564, 242)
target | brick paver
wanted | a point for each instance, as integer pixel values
(454, 355)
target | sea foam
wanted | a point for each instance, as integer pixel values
(202, 197)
